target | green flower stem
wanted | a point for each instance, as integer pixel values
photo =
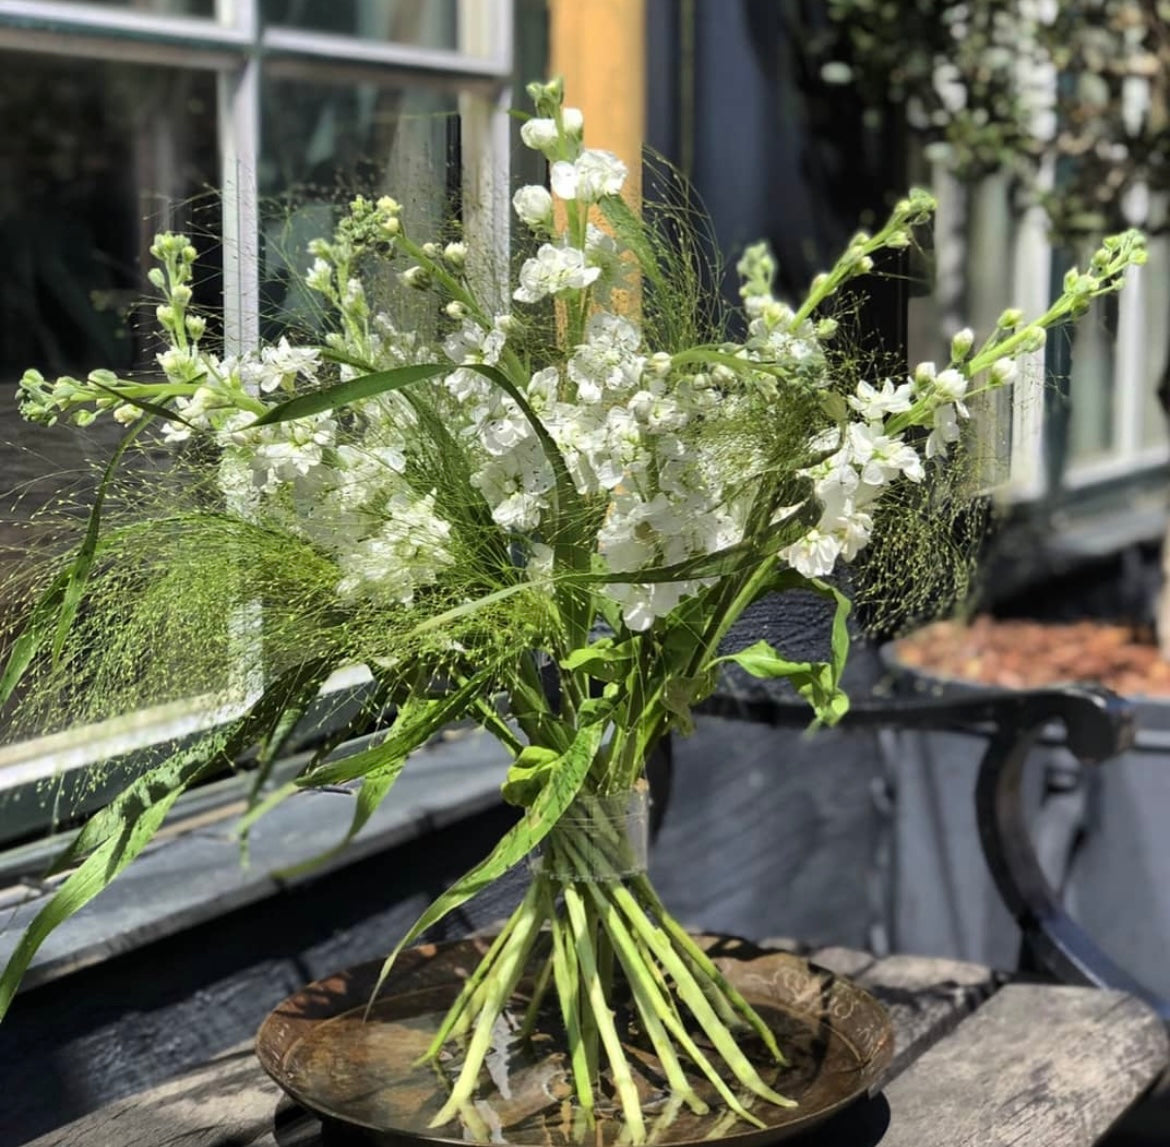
(567, 975)
(506, 974)
(691, 995)
(606, 911)
(651, 1006)
(450, 284)
(619, 1066)
(539, 991)
(670, 1019)
(688, 989)
(472, 983)
(708, 967)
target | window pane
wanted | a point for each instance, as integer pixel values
(324, 143)
(1090, 384)
(424, 23)
(159, 7)
(1156, 280)
(94, 158)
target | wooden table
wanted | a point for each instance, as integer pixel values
(978, 1062)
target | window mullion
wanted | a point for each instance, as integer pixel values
(239, 119)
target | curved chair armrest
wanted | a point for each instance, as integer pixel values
(1098, 725)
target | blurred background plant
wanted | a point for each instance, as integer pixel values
(1040, 125)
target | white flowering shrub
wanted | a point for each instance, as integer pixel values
(585, 481)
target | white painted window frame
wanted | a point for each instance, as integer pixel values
(234, 45)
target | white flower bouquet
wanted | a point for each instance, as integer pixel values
(544, 518)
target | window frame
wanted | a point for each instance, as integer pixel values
(235, 46)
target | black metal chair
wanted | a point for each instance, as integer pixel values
(1098, 725)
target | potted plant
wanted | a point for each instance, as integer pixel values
(563, 503)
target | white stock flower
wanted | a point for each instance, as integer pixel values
(543, 387)
(814, 555)
(409, 550)
(951, 386)
(873, 404)
(594, 174)
(573, 121)
(319, 277)
(539, 133)
(882, 458)
(534, 206)
(505, 431)
(553, 270)
(281, 364)
(946, 430)
(608, 359)
(471, 344)
(1003, 372)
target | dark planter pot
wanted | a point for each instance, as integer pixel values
(1099, 833)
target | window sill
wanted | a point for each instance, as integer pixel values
(196, 874)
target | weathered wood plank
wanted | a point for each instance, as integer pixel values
(1037, 1064)
(926, 997)
(227, 1103)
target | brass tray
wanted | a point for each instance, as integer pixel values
(361, 1074)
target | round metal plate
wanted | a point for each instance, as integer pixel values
(319, 1049)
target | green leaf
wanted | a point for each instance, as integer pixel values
(158, 410)
(819, 682)
(565, 777)
(528, 775)
(120, 831)
(356, 389)
(307, 691)
(57, 607)
(681, 694)
(377, 783)
(418, 720)
(97, 871)
(83, 562)
(604, 659)
(41, 622)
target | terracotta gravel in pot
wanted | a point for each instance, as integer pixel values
(1016, 654)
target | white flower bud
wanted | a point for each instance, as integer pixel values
(1010, 319)
(388, 205)
(181, 294)
(534, 205)
(455, 254)
(1034, 340)
(1003, 372)
(165, 314)
(415, 277)
(157, 278)
(660, 363)
(190, 254)
(573, 120)
(127, 413)
(455, 309)
(196, 325)
(431, 250)
(961, 344)
(539, 134)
